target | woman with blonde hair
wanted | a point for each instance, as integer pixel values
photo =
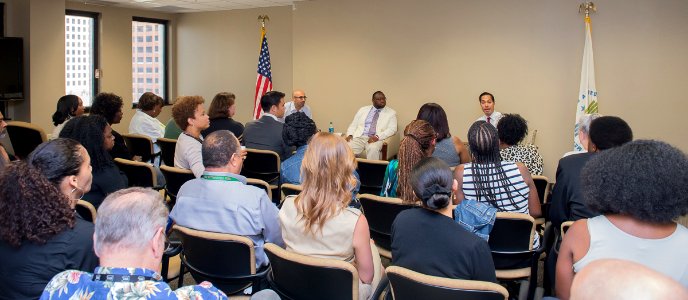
(319, 223)
(418, 143)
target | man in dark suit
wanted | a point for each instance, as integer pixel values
(266, 132)
(568, 203)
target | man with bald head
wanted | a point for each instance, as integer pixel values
(613, 279)
(221, 201)
(297, 104)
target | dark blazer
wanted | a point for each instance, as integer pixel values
(266, 134)
(567, 197)
(224, 124)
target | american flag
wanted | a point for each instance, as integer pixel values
(264, 79)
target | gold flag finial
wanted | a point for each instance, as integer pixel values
(262, 19)
(587, 8)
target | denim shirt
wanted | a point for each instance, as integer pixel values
(476, 217)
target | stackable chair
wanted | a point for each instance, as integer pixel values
(24, 137)
(138, 173)
(167, 148)
(380, 213)
(140, 145)
(174, 179)
(409, 285)
(263, 165)
(295, 276)
(372, 174)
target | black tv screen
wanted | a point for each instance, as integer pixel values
(11, 68)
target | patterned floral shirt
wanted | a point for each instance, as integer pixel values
(81, 285)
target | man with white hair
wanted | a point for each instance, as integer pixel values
(583, 132)
(129, 239)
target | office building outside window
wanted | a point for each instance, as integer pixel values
(146, 35)
(81, 60)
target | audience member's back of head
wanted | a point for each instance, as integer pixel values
(483, 141)
(56, 159)
(418, 143)
(645, 179)
(609, 131)
(613, 279)
(107, 105)
(127, 219)
(66, 107)
(269, 99)
(298, 129)
(89, 131)
(218, 148)
(434, 114)
(512, 129)
(432, 181)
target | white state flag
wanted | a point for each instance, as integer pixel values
(587, 95)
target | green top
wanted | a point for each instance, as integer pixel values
(172, 131)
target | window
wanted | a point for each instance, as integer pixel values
(82, 55)
(149, 34)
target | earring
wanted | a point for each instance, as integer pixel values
(82, 193)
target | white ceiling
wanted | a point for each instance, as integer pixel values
(185, 6)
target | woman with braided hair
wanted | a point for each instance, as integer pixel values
(418, 143)
(417, 232)
(505, 185)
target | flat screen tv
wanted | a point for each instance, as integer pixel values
(11, 68)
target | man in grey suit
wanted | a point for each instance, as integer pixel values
(266, 132)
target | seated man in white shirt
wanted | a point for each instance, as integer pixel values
(487, 103)
(297, 104)
(371, 126)
(220, 201)
(144, 121)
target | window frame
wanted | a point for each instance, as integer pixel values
(96, 50)
(165, 56)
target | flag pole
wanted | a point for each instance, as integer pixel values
(264, 76)
(587, 95)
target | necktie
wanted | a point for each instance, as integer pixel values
(373, 123)
(488, 120)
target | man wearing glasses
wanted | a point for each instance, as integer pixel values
(298, 104)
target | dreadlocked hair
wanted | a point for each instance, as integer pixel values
(487, 169)
(416, 145)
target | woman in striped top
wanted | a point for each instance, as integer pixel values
(505, 185)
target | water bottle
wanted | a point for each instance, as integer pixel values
(331, 129)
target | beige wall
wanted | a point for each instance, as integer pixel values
(218, 52)
(527, 53)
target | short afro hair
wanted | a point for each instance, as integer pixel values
(149, 101)
(184, 108)
(609, 131)
(647, 180)
(298, 129)
(512, 129)
(107, 105)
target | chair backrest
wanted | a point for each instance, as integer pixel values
(541, 184)
(380, 213)
(217, 257)
(262, 164)
(86, 210)
(407, 284)
(372, 174)
(24, 137)
(138, 173)
(289, 189)
(175, 178)
(261, 184)
(167, 147)
(565, 227)
(511, 240)
(139, 145)
(295, 276)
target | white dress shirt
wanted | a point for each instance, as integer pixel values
(494, 118)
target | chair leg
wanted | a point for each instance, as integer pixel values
(180, 282)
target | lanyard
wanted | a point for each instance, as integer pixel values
(122, 278)
(191, 136)
(218, 177)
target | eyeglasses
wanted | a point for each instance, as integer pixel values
(301, 97)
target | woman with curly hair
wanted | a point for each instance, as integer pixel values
(419, 142)
(68, 106)
(318, 222)
(639, 188)
(95, 134)
(512, 130)
(40, 234)
(220, 112)
(448, 148)
(189, 114)
(109, 106)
